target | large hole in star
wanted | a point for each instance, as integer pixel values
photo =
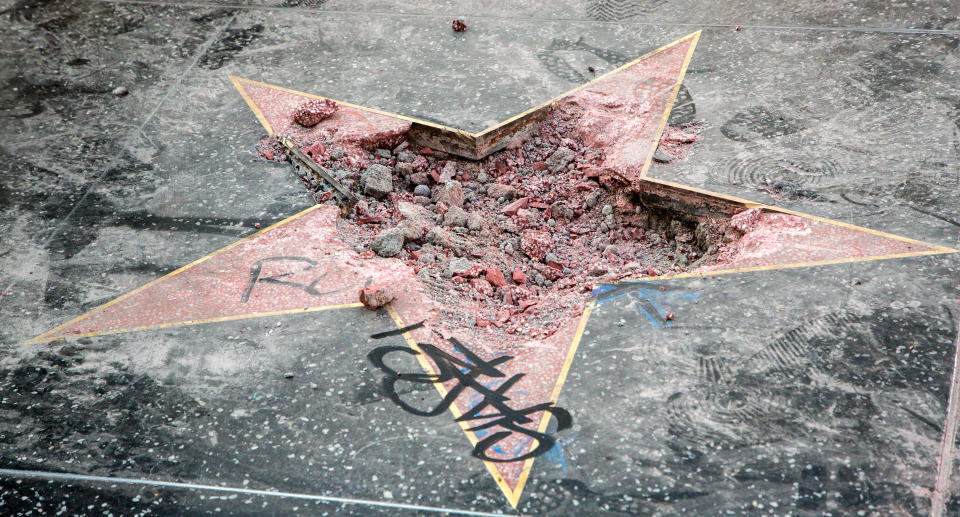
(512, 244)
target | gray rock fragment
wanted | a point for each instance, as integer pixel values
(499, 190)
(377, 181)
(421, 190)
(560, 210)
(458, 265)
(455, 216)
(474, 221)
(388, 243)
(662, 157)
(560, 158)
(593, 198)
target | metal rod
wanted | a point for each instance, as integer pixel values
(345, 197)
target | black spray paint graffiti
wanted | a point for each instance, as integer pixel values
(466, 373)
(256, 270)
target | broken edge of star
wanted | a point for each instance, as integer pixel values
(50, 334)
(511, 493)
(932, 249)
(693, 38)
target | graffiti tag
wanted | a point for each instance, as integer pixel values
(466, 371)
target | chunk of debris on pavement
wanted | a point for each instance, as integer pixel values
(412, 230)
(451, 194)
(560, 210)
(474, 221)
(120, 91)
(441, 237)
(375, 296)
(535, 243)
(419, 164)
(516, 206)
(459, 26)
(378, 181)
(422, 190)
(448, 172)
(593, 198)
(519, 277)
(420, 179)
(413, 211)
(406, 156)
(500, 190)
(310, 113)
(560, 158)
(495, 277)
(388, 243)
(458, 266)
(455, 216)
(404, 169)
(315, 150)
(662, 157)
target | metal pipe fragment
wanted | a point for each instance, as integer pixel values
(345, 199)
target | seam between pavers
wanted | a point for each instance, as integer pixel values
(58, 228)
(65, 476)
(765, 27)
(947, 451)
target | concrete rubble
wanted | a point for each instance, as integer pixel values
(514, 242)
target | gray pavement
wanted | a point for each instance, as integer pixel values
(806, 391)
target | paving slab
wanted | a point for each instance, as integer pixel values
(233, 369)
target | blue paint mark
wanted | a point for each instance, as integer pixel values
(648, 297)
(656, 323)
(555, 455)
(604, 289)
